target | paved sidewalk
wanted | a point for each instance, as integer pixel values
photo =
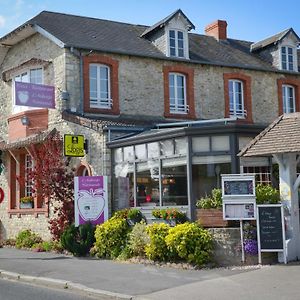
(136, 281)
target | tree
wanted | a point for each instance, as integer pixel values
(53, 182)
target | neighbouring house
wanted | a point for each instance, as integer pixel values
(166, 108)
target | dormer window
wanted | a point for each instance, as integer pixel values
(287, 58)
(176, 43)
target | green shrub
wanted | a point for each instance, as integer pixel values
(135, 215)
(266, 194)
(78, 240)
(26, 239)
(121, 214)
(138, 239)
(111, 237)
(190, 242)
(213, 201)
(157, 249)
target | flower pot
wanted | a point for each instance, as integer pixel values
(211, 218)
(26, 205)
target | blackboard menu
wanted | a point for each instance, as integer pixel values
(238, 187)
(270, 227)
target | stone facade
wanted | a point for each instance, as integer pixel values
(141, 92)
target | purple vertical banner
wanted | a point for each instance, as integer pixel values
(34, 95)
(91, 201)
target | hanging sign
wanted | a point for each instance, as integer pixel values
(34, 95)
(91, 199)
(74, 145)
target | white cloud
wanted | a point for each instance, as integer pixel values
(2, 21)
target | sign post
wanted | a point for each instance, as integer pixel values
(271, 233)
(239, 202)
(91, 200)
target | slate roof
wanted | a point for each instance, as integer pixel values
(24, 142)
(271, 40)
(122, 38)
(166, 20)
(282, 136)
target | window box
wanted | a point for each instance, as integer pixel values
(212, 217)
(26, 205)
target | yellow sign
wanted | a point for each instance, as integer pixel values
(74, 145)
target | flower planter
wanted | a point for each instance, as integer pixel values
(26, 205)
(211, 218)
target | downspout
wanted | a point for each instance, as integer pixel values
(80, 56)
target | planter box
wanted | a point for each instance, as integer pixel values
(211, 218)
(26, 205)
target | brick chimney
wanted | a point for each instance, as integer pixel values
(217, 29)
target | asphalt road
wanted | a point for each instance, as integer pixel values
(11, 290)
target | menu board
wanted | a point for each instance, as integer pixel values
(270, 227)
(243, 211)
(238, 187)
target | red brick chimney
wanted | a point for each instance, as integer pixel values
(217, 29)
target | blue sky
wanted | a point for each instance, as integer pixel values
(247, 20)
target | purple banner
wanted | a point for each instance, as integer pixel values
(34, 95)
(90, 199)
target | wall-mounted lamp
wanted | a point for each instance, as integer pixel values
(25, 121)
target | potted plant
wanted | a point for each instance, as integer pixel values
(134, 216)
(26, 202)
(209, 212)
(171, 216)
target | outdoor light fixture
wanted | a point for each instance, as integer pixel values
(25, 120)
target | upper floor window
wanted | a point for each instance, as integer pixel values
(176, 43)
(236, 99)
(287, 58)
(177, 93)
(31, 76)
(288, 98)
(100, 96)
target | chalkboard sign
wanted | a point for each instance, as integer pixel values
(238, 187)
(270, 227)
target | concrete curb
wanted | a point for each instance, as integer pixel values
(62, 284)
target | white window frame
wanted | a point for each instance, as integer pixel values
(103, 103)
(25, 72)
(293, 55)
(28, 185)
(285, 103)
(177, 108)
(184, 36)
(236, 112)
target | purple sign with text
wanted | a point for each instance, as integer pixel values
(91, 202)
(34, 95)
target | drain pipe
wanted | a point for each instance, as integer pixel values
(80, 56)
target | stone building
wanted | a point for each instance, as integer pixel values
(164, 107)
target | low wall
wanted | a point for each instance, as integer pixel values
(227, 249)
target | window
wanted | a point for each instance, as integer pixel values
(30, 76)
(177, 93)
(101, 84)
(288, 98)
(28, 181)
(236, 99)
(100, 96)
(176, 43)
(287, 58)
(288, 95)
(237, 94)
